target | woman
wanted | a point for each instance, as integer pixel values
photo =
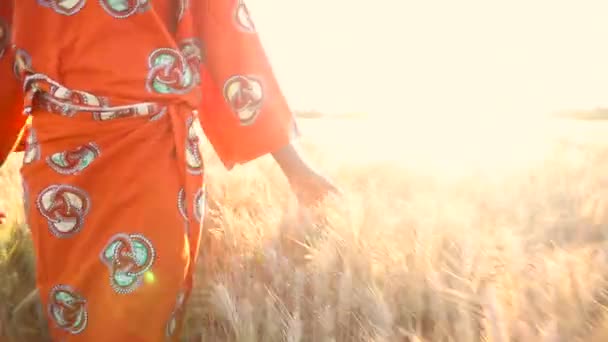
(112, 172)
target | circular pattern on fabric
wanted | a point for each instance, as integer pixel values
(192, 51)
(65, 208)
(128, 257)
(200, 204)
(183, 6)
(181, 203)
(122, 9)
(32, 147)
(68, 309)
(63, 7)
(242, 18)
(245, 95)
(73, 161)
(169, 72)
(23, 63)
(194, 157)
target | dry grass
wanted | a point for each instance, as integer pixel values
(403, 256)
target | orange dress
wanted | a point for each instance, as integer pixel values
(112, 171)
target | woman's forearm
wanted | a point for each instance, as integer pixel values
(289, 159)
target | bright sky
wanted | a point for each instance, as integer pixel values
(431, 57)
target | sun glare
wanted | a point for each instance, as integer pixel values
(466, 80)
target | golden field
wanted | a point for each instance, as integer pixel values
(504, 244)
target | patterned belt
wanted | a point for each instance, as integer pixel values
(44, 93)
(69, 108)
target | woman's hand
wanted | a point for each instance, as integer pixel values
(308, 185)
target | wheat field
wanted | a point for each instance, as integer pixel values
(403, 255)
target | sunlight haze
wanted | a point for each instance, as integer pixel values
(448, 204)
(437, 58)
(448, 84)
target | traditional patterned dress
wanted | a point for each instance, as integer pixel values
(113, 175)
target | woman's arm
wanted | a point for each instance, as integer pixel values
(289, 159)
(244, 113)
(12, 120)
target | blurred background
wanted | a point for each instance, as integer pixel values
(468, 58)
(470, 212)
(446, 84)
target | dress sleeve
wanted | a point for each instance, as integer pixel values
(12, 120)
(243, 112)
